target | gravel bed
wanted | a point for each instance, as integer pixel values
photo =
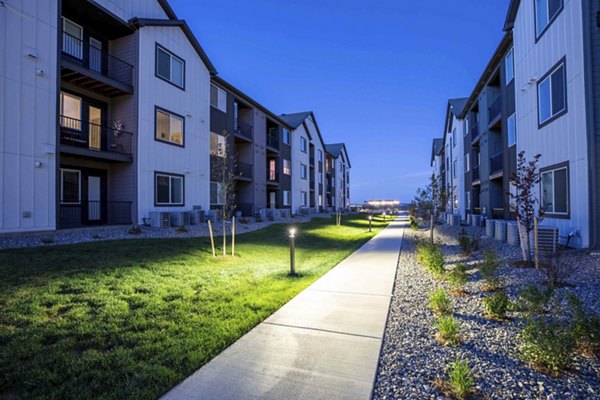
(79, 235)
(412, 359)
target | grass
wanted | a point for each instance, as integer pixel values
(132, 318)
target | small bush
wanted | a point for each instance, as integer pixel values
(258, 218)
(447, 330)
(413, 223)
(47, 240)
(489, 268)
(585, 328)
(271, 218)
(534, 301)
(458, 278)
(134, 230)
(460, 379)
(464, 242)
(546, 345)
(496, 305)
(439, 302)
(243, 220)
(431, 257)
(182, 229)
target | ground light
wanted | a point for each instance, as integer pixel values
(293, 252)
(370, 220)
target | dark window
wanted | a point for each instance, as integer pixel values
(545, 13)
(169, 189)
(170, 67)
(555, 189)
(552, 94)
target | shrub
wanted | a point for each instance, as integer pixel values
(585, 328)
(546, 345)
(464, 242)
(447, 330)
(243, 220)
(439, 302)
(431, 257)
(182, 229)
(258, 218)
(47, 240)
(413, 223)
(488, 268)
(533, 301)
(458, 278)
(460, 379)
(496, 305)
(271, 218)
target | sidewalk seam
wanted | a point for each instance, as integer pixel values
(323, 330)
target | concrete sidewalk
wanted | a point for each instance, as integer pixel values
(323, 344)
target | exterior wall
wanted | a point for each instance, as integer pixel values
(28, 112)
(565, 138)
(260, 160)
(319, 188)
(192, 160)
(127, 9)
(299, 185)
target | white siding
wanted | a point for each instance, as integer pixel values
(565, 138)
(28, 115)
(299, 185)
(193, 160)
(318, 146)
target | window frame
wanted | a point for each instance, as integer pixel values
(538, 35)
(303, 144)
(286, 136)
(510, 53)
(171, 55)
(552, 169)
(62, 186)
(171, 113)
(561, 63)
(303, 171)
(210, 193)
(283, 167)
(219, 89)
(170, 175)
(514, 119)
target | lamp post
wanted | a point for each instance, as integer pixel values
(370, 220)
(292, 252)
(384, 216)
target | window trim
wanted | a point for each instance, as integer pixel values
(170, 175)
(164, 110)
(514, 117)
(511, 52)
(539, 35)
(286, 135)
(158, 46)
(286, 201)
(283, 168)
(551, 168)
(62, 185)
(216, 107)
(303, 171)
(562, 62)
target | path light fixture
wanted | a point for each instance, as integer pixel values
(384, 216)
(370, 220)
(292, 252)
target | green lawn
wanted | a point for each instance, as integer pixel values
(132, 318)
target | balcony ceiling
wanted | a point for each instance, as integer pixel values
(96, 19)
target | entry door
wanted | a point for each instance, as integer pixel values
(272, 196)
(95, 128)
(94, 198)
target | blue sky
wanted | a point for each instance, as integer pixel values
(377, 73)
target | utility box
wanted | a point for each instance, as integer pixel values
(160, 219)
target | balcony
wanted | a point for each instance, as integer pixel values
(95, 141)
(474, 131)
(243, 171)
(244, 131)
(90, 67)
(312, 161)
(475, 177)
(273, 142)
(90, 213)
(245, 208)
(272, 177)
(498, 213)
(494, 112)
(496, 165)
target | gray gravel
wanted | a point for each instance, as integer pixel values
(70, 236)
(411, 358)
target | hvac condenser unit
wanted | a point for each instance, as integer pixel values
(180, 218)
(197, 217)
(160, 219)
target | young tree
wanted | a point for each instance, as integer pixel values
(428, 200)
(524, 200)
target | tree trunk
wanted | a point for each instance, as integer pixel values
(524, 239)
(431, 221)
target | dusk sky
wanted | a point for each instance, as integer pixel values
(377, 77)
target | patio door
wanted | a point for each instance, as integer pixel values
(272, 196)
(94, 199)
(95, 128)
(95, 206)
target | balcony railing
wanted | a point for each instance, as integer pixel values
(92, 136)
(272, 176)
(494, 110)
(498, 213)
(273, 141)
(496, 163)
(97, 60)
(244, 130)
(475, 173)
(474, 130)
(89, 213)
(243, 170)
(312, 160)
(245, 209)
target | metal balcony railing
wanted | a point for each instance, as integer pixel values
(80, 133)
(475, 173)
(243, 170)
(273, 141)
(244, 130)
(88, 213)
(496, 163)
(97, 60)
(494, 110)
(474, 130)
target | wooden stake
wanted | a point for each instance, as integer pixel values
(232, 236)
(224, 239)
(536, 250)
(212, 239)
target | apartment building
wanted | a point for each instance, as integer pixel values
(454, 160)
(261, 145)
(337, 173)
(308, 192)
(119, 124)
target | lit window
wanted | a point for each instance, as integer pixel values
(169, 127)
(218, 145)
(287, 167)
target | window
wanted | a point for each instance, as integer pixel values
(303, 171)
(286, 136)
(217, 197)
(168, 189)
(170, 67)
(72, 39)
(218, 145)
(454, 137)
(509, 66)
(467, 162)
(70, 186)
(512, 130)
(454, 168)
(304, 199)
(552, 94)
(466, 127)
(545, 13)
(555, 189)
(169, 127)
(320, 200)
(70, 111)
(320, 155)
(468, 194)
(218, 98)
(286, 197)
(287, 167)
(303, 144)
(320, 178)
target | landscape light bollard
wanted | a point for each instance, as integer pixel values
(370, 219)
(384, 216)
(292, 252)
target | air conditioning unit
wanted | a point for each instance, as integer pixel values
(512, 233)
(490, 226)
(500, 233)
(455, 220)
(197, 217)
(160, 219)
(547, 239)
(180, 218)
